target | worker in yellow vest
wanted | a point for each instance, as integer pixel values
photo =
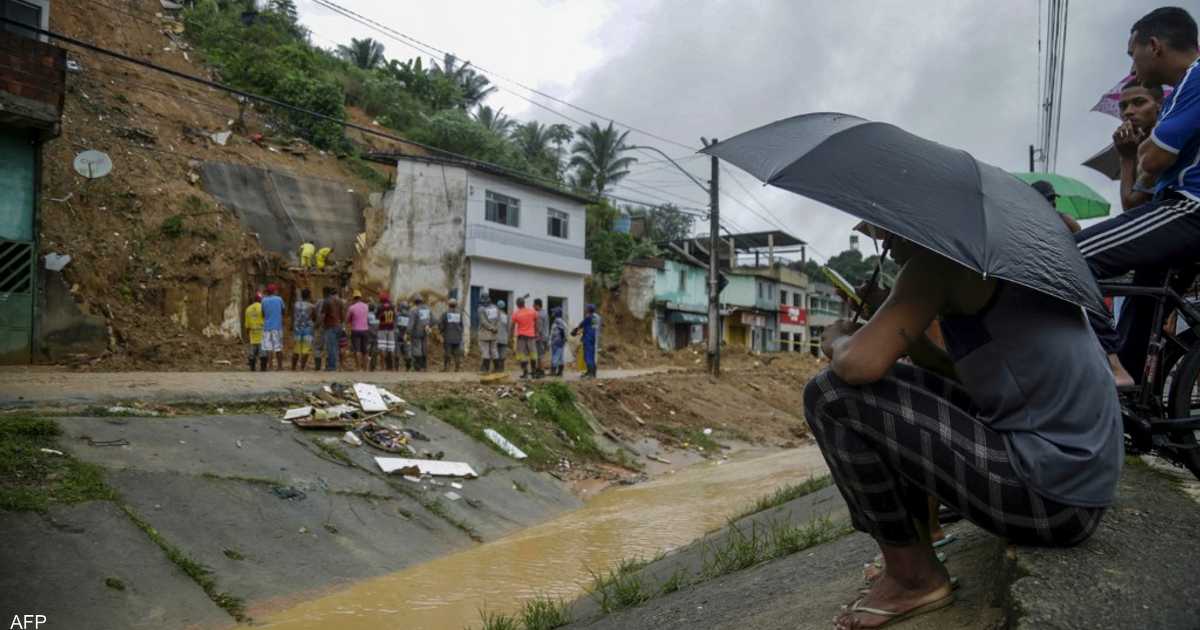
(307, 251)
(253, 322)
(323, 255)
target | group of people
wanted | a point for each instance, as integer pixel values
(1015, 423)
(309, 254)
(382, 334)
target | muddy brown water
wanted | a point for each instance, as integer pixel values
(554, 558)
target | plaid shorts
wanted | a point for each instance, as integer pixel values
(892, 443)
(387, 340)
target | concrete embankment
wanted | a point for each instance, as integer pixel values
(255, 512)
(1136, 572)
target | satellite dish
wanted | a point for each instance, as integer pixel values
(93, 164)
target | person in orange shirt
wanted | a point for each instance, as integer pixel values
(525, 322)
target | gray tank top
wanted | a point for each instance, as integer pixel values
(1033, 366)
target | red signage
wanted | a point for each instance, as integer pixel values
(793, 316)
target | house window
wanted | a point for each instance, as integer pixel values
(503, 209)
(797, 300)
(556, 223)
(783, 297)
(24, 12)
(682, 280)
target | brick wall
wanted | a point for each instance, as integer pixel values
(33, 70)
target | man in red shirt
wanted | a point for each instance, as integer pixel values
(525, 322)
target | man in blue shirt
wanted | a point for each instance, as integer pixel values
(272, 343)
(1165, 232)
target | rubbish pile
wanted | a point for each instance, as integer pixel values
(358, 410)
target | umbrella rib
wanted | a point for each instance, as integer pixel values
(984, 266)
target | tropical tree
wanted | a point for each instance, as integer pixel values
(364, 53)
(475, 87)
(433, 89)
(597, 158)
(494, 120)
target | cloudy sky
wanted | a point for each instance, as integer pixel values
(964, 73)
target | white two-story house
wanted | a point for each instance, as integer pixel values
(456, 229)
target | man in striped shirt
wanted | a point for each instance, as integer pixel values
(1165, 232)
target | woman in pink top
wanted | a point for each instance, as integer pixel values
(356, 316)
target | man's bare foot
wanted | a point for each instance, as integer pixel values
(1120, 375)
(890, 594)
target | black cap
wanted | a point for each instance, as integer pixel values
(1047, 190)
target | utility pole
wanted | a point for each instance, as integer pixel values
(714, 288)
(1031, 169)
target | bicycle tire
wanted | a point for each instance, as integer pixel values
(1180, 406)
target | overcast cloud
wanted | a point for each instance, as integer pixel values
(962, 73)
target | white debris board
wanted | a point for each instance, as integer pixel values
(427, 466)
(391, 398)
(369, 398)
(298, 412)
(505, 445)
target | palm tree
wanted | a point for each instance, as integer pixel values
(494, 120)
(364, 53)
(596, 158)
(475, 87)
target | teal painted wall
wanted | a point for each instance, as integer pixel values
(16, 182)
(693, 291)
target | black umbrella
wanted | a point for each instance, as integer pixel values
(934, 195)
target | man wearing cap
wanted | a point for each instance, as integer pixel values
(488, 317)
(272, 342)
(254, 332)
(386, 313)
(420, 322)
(451, 326)
(1047, 191)
(357, 318)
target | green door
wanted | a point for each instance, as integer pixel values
(18, 253)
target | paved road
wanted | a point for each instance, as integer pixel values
(40, 387)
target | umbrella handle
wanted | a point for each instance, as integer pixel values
(862, 305)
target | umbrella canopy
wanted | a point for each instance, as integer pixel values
(931, 194)
(1107, 161)
(1074, 197)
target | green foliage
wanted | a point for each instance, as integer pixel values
(609, 251)
(597, 157)
(785, 494)
(556, 402)
(621, 587)
(544, 613)
(172, 226)
(498, 621)
(852, 265)
(665, 223)
(32, 479)
(454, 130)
(363, 53)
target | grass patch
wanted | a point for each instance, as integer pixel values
(32, 479)
(545, 613)
(556, 402)
(472, 418)
(172, 226)
(498, 621)
(741, 549)
(785, 494)
(678, 580)
(620, 587)
(690, 437)
(200, 574)
(357, 166)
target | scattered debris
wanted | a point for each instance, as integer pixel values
(352, 439)
(369, 397)
(137, 134)
(410, 413)
(74, 67)
(116, 442)
(659, 459)
(425, 467)
(385, 438)
(452, 495)
(114, 583)
(222, 362)
(288, 493)
(299, 412)
(56, 262)
(707, 431)
(221, 137)
(170, 6)
(130, 411)
(504, 444)
(456, 485)
(51, 451)
(391, 398)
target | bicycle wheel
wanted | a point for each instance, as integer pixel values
(1184, 402)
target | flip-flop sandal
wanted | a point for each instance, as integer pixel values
(945, 541)
(895, 617)
(953, 586)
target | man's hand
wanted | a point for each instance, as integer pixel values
(873, 295)
(1127, 139)
(839, 329)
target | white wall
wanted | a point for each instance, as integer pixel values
(538, 283)
(528, 243)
